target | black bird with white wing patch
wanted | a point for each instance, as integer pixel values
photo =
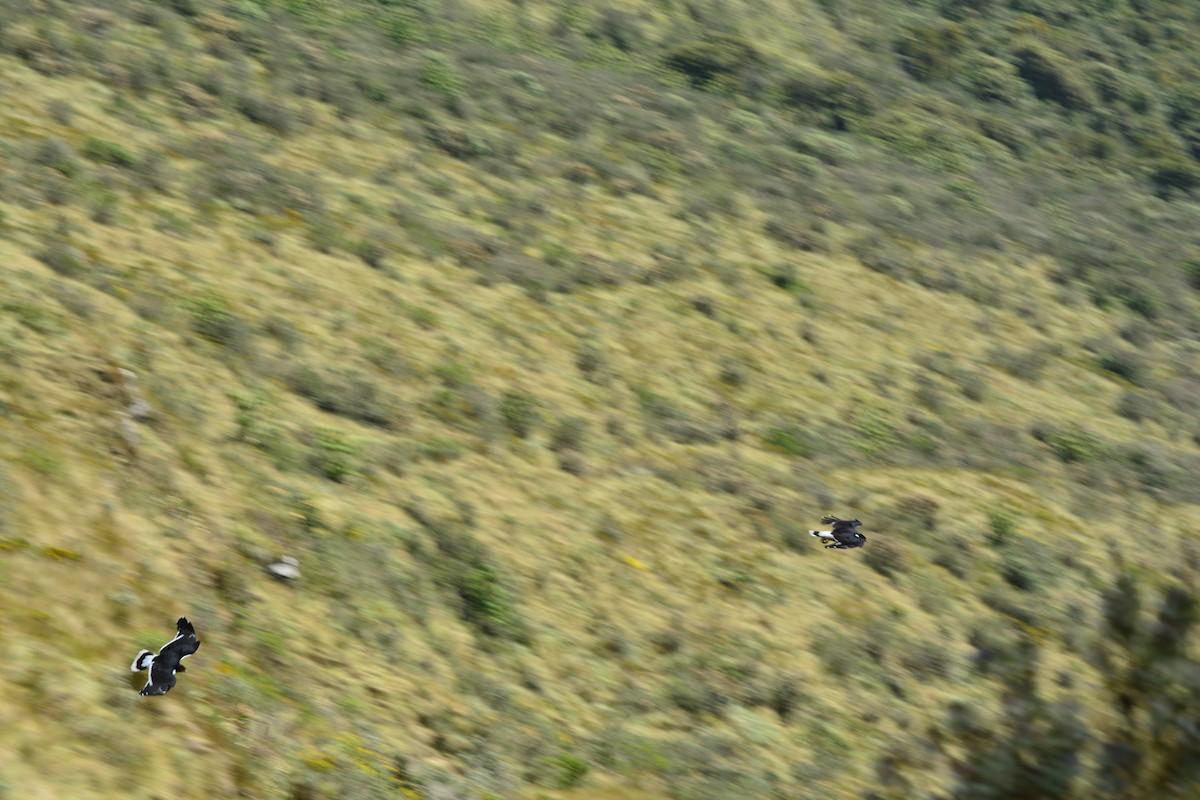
(844, 535)
(162, 667)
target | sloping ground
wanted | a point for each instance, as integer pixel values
(545, 434)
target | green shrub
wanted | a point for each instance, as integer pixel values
(590, 360)
(61, 111)
(1005, 131)
(991, 79)
(268, 111)
(562, 771)
(439, 448)
(439, 74)
(569, 434)
(1191, 272)
(103, 207)
(64, 258)
(1071, 444)
(485, 600)
(887, 556)
(875, 433)
(1137, 406)
(459, 142)
(400, 26)
(1172, 177)
(930, 51)
(1127, 364)
(214, 319)
(1028, 365)
(703, 62)
(57, 155)
(1051, 77)
(332, 456)
(1002, 526)
(619, 28)
(834, 98)
(964, 9)
(43, 462)
(520, 412)
(795, 233)
(107, 152)
(790, 438)
(916, 512)
(347, 393)
(469, 569)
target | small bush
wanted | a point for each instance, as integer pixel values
(1002, 526)
(57, 155)
(332, 456)
(887, 556)
(459, 142)
(267, 111)
(485, 600)
(400, 25)
(1027, 365)
(1137, 406)
(1172, 177)
(562, 771)
(441, 449)
(62, 257)
(992, 79)
(60, 111)
(704, 62)
(215, 320)
(790, 438)
(619, 28)
(1071, 444)
(590, 360)
(917, 511)
(1029, 570)
(346, 393)
(930, 51)
(927, 660)
(468, 568)
(520, 412)
(1126, 364)
(570, 434)
(833, 97)
(1051, 76)
(106, 152)
(697, 696)
(1005, 131)
(439, 74)
(795, 233)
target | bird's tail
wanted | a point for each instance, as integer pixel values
(821, 534)
(143, 661)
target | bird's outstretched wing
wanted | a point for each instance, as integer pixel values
(184, 644)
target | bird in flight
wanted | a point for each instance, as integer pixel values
(162, 667)
(844, 534)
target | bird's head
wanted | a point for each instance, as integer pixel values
(855, 522)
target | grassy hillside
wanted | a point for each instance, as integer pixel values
(540, 334)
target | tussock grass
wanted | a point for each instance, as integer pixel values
(541, 337)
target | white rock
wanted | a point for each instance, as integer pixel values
(286, 568)
(140, 410)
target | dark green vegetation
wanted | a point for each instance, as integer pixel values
(541, 333)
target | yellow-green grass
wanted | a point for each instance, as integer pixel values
(110, 543)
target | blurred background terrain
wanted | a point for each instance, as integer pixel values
(540, 334)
